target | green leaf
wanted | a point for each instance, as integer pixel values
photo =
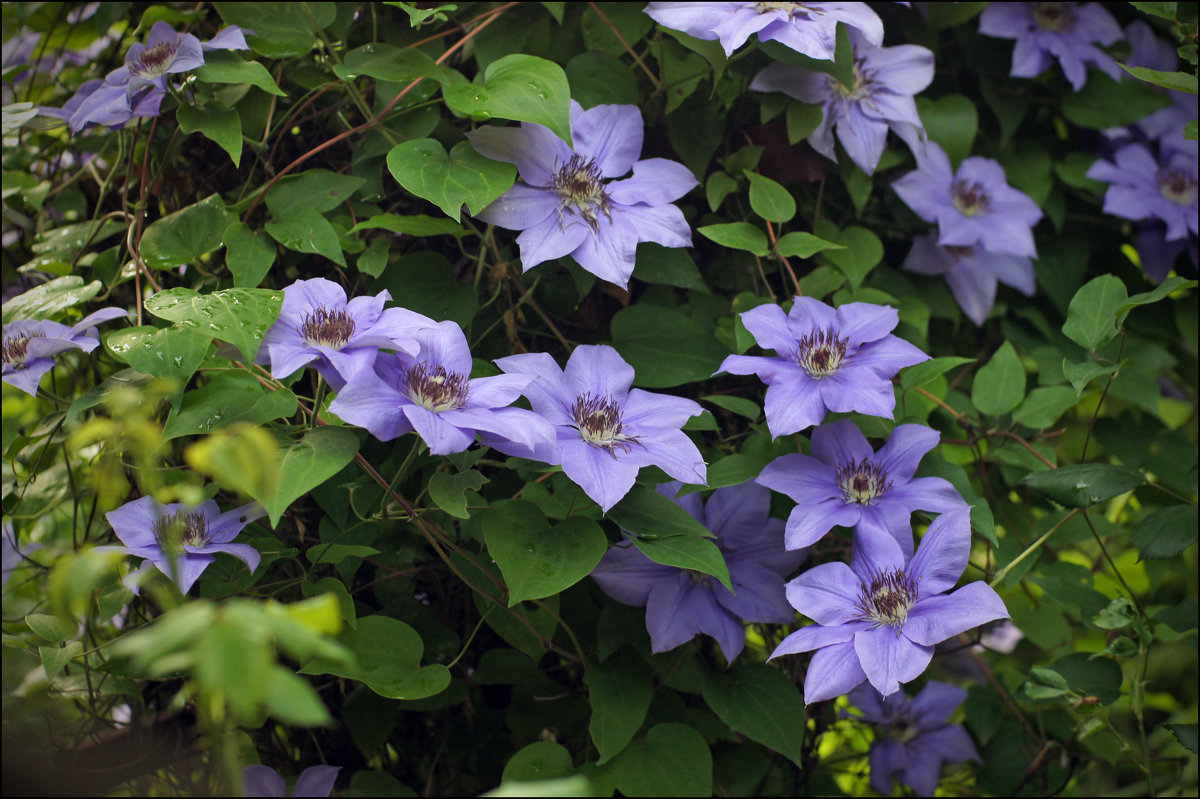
(292, 700)
(336, 553)
(1119, 614)
(387, 657)
(1104, 103)
(332, 585)
(1160, 292)
(448, 181)
(1044, 406)
(1084, 484)
(54, 658)
(1080, 374)
(619, 692)
(999, 384)
(685, 552)
(539, 760)
(171, 352)
(861, 251)
(601, 79)
(306, 464)
(952, 121)
(221, 125)
(280, 29)
(426, 281)
(52, 628)
(732, 470)
(1099, 677)
(419, 225)
(248, 255)
(1073, 168)
(50, 299)
(393, 64)
(719, 186)
(182, 237)
(1184, 733)
(228, 398)
(373, 260)
(1045, 684)
(762, 704)
(1167, 11)
(802, 119)
(225, 67)
(739, 405)
(1176, 81)
(672, 760)
(1166, 532)
(521, 87)
(928, 371)
(1181, 616)
(948, 15)
(448, 491)
(305, 230)
(315, 190)
(233, 659)
(769, 199)
(630, 21)
(538, 561)
(239, 316)
(803, 245)
(648, 514)
(668, 266)
(665, 347)
(738, 235)
(1092, 314)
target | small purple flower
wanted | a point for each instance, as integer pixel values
(179, 540)
(607, 431)
(568, 205)
(971, 273)
(1066, 31)
(10, 549)
(681, 603)
(98, 103)
(879, 618)
(912, 738)
(1142, 189)
(433, 394)
(885, 80)
(1158, 256)
(973, 206)
(825, 360)
(316, 325)
(164, 53)
(30, 345)
(845, 483)
(264, 781)
(807, 28)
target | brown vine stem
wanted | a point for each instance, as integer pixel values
(1016, 711)
(373, 121)
(941, 402)
(653, 78)
(787, 264)
(1025, 444)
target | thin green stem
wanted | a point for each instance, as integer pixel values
(1000, 575)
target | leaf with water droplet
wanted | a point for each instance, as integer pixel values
(242, 323)
(49, 300)
(228, 398)
(182, 237)
(171, 352)
(538, 561)
(448, 181)
(1084, 484)
(521, 87)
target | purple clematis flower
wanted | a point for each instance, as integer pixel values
(178, 540)
(568, 205)
(316, 325)
(825, 360)
(1067, 31)
(681, 603)
(807, 28)
(972, 206)
(264, 781)
(10, 550)
(98, 103)
(30, 345)
(971, 272)
(879, 618)
(607, 431)
(845, 483)
(885, 80)
(432, 394)
(1142, 189)
(912, 738)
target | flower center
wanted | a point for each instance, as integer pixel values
(581, 191)
(1058, 17)
(902, 729)
(863, 84)
(959, 252)
(698, 578)
(436, 388)
(180, 529)
(16, 346)
(820, 353)
(1177, 186)
(969, 198)
(862, 482)
(599, 422)
(887, 599)
(793, 9)
(326, 328)
(154, 61)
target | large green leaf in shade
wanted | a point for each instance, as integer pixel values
(306, 464)
(239, 316)
(229, 397)
(221, 125)
(182, 237)
(538, 561)
(665, 347)
(1084, 484)
(685, 552)
(224, 67)
(619, 691)
(280, 29)
(1104, 103)
(171, 352)
(50, 299)
(928, 371)
(449, 181)
(803, 245)
(1092, 314)
(248, 255)
(305, 230)
(425, 280)
(672, 760)
(393, 64)
(648, 514)
(448, 491)
(769, 199)
(539, 760)
(387, 655)
(521, 87)
(762, 704)
(1166, 532)
(738, 235)
(999, 384)
(1044, 406)
(316, 190)
(952, 122)
(861, 250)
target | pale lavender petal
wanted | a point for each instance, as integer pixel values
(609, 251)
(521, 207)
(534, 149)
(874, 554)
(807, 524)
(941, 617)
(943, 553)
(442, 437)
(612, 135)
(804, 479)
(759, 595)
(832, 672)
(655, 181)
(262, 781)
(645, 409)
(889, 658)
(551, 238)
(673, 452)
(826, 594)
(793, 405)
(904, 449)
(370, 403)
(663, 224)
(243, 552)
(858, 387)
(316, 781)
(134, 521)
(627, 575)
(841, 443)
(769, 326)
(229, 38)
(815, 636)
(604, 477)
(936, 703)
(190, 568)
(973, 288)
(599, 370)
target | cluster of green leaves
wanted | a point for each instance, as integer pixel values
(426, 622)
